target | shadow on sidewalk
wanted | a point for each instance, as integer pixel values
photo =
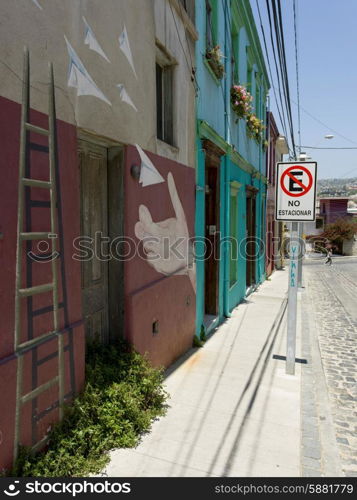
(268, 344)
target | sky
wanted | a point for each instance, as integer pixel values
(327, 48)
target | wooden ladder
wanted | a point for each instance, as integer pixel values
(21, 347)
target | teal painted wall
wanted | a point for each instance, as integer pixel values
(213, 108)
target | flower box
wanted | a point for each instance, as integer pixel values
(241, 101)
(255, 128)
(214, 58)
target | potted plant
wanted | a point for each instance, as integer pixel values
(241, 101)
(214, 58)
(255, 128)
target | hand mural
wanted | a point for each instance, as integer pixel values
(166, 243)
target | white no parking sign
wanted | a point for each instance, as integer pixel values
(296, 191)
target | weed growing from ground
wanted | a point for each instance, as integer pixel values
(123, 394)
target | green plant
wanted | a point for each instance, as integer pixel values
(241, 101)
(122, 396)
(341, 229)
(203, 336)
(199, 342)
(334, 235)
(214, 57)
(196, 342)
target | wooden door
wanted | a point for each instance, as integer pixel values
(251, 243)
(212, 230)
(94, 225)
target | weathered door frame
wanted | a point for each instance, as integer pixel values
(115, 225)
(212, 218)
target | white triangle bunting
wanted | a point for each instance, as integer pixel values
(37, 4)
(92, 42)
(124, 96)
(149, 175)
(125, 47)
(80, 79)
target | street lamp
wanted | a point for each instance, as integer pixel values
(329, 136)
(303, 157)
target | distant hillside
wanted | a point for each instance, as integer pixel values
(337, 187)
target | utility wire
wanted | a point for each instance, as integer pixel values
(278, 23)
(297, 72)
(270, 71)
(276, 67)
(189, 52)
(190, 68)
(316, 147)
(322, 123)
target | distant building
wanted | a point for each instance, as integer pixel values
(328, 210)
(333, 208)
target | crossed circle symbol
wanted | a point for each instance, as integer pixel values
(305, 189)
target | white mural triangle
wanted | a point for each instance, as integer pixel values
(148, 174)
(92, 42)
(80, 79)
(124, 96)
(125, 47)
(37, 4)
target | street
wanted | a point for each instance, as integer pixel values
(328, 301)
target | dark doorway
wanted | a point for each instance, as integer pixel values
(251, 245)
(101, 217)
(212, 209)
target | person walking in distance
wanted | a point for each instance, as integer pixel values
(329, 257)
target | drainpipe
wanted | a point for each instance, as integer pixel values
(227, 207)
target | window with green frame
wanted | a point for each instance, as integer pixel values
(211, 24)
(233, 221)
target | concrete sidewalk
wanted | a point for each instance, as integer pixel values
(233, 410)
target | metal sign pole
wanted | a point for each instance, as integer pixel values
(292, 299)
(301, 249)
(296, 203)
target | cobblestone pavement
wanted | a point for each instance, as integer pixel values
(332, 296)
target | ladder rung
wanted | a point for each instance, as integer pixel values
(34, 290)
(37, 183)
(38, 130)
(35, 236)
(39, 390)
(37, 340)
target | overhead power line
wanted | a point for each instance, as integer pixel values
(280, 37)
(190, 67)
(323, 124)
(316, 147)
(276, 68)
(297, 72)
(270, 71)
